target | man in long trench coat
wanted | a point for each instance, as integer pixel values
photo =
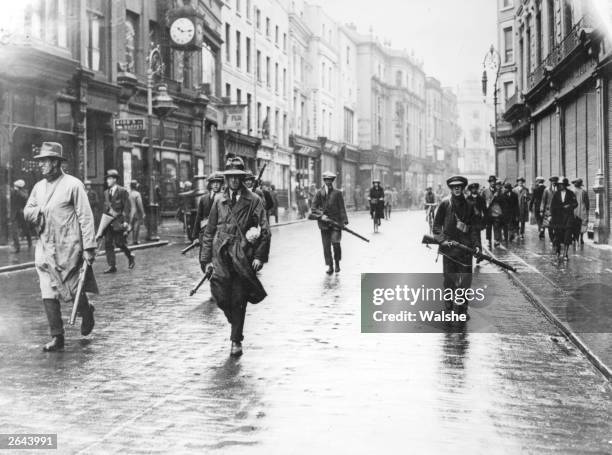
(59, 207)
(235, 246)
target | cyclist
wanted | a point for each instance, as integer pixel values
(377, 203)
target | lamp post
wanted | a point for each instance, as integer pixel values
(492, 62)
(162, 104)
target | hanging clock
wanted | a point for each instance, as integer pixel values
(185, 25)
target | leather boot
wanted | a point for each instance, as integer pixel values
(111, 270)
(131, 262)
(329, 270)
(236, 350)
(56, 344)
(337, 269)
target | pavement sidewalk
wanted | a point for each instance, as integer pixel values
(575, 295)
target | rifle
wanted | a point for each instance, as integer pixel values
(206, 277)
(257, 182)
(195, 244)
(429, 240)
(79, 292)
(317, 216)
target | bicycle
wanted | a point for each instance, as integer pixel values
(373, 208)
(430, 207)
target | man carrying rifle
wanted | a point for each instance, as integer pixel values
(59, 207)
(456, 222)
(330, 203)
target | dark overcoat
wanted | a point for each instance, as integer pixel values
(332, 205)
(377, 207)
(202, 214)
(224, 245)
(562, 213)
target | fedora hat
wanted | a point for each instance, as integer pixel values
(492, 178)
(473, 185)
(520, 179)
(216, 177)
(577, 182)
(564, 181)
(234, 166)
(554, 179)
(51, 150)
(112, 173)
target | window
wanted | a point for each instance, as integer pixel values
(277, 124)
(539, 37)
(323, 75)
(508, 90)
(238, 40)
(258, 116)
(228, 91)
(506, 3)
(238, 96)
(284, 81)
(568, 17)
(398, 78)
(508, 45)
(268, 78)
(248, 55)
(285, 42)
(348, 55)
(209, 68)
(249, 112)
(276, 77)
(227, 42)
(284, 131)
(276, 35)
(248, 9)
(131, 42)
(238, 6)
(95, 40)
(528, 44)
(329, 79)
(48, 21)
(268, 27)
(349, 117)
(258, 66)
(258, 18)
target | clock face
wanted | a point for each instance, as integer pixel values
(182, 31)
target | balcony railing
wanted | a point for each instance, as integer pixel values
(558, 53)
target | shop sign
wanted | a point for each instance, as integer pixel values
(234, 117)
(129, 124)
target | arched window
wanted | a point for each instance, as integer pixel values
(399, 78)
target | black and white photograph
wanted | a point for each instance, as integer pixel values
(306, 227)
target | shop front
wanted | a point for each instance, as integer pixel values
(307, 164)
(349, 173)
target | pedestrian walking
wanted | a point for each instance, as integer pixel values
(59, 208)
(215, 183)
(581, 212)
(137, 213)
(510, 213)
(535, 204)
(492, 212)
(545, 207)
(274, 210)
(376, 197)
(478, 202)
(394, 198)
(235, 246)
(524, 198)
(19, 198)
(330, 202)
(388, 202)
(300, 197)
(455, 222)
(116, 205)
(94, 202)
(562, 206)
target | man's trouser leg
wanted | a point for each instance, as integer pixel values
(136, 230)
(335, 238)
(488, 228)
(497, 231)
(522, 230)
(238, 309)
(109, 246)
(120, 241)
(326, 238)
(15, 228)
(54, 316)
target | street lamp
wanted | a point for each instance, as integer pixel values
(163, 105)
(492, 62)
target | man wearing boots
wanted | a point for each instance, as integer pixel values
(117, 205)
(330, 203)
(59, 208)
(235, 247)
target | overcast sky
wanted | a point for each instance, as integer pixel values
(451, 36)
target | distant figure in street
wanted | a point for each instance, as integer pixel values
(300, 197)
(536, 202)
(236, 244)
(357, 196)
(249, 182)
(116, 205)
(312, 192)
(19, 197)
(524, 197)
(187, 207)
(274, 210)
(440, 193)
(59, 208)
(455, 223)
(562, 206)
(215, 182)
(394, 198)
(330, 202)
(491, 213)
(137, 213)
(388, 202)
(376, 197)
(510, 212)
(94, 203)
(476, 199)
(582, 210)
(545, 207)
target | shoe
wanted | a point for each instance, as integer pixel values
(88, 322)
(236, 350)
(337, 269)
(56, 344)
(330, 270)
(496, 244)
(111, 270)
(131, 262)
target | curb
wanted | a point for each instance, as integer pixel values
(563, 328)
(30, 265)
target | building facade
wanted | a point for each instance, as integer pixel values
(559, 115)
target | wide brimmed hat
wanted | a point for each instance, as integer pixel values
(328, 175)
(457, 180)
(492, 178)
(216, 177)
(520, 179)
(554, 179)
(234, 166)
(112, 173)
(508, 186)
(577, 182)
(539, 178)
(51, 150)
(473, 185)
(564, 181)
